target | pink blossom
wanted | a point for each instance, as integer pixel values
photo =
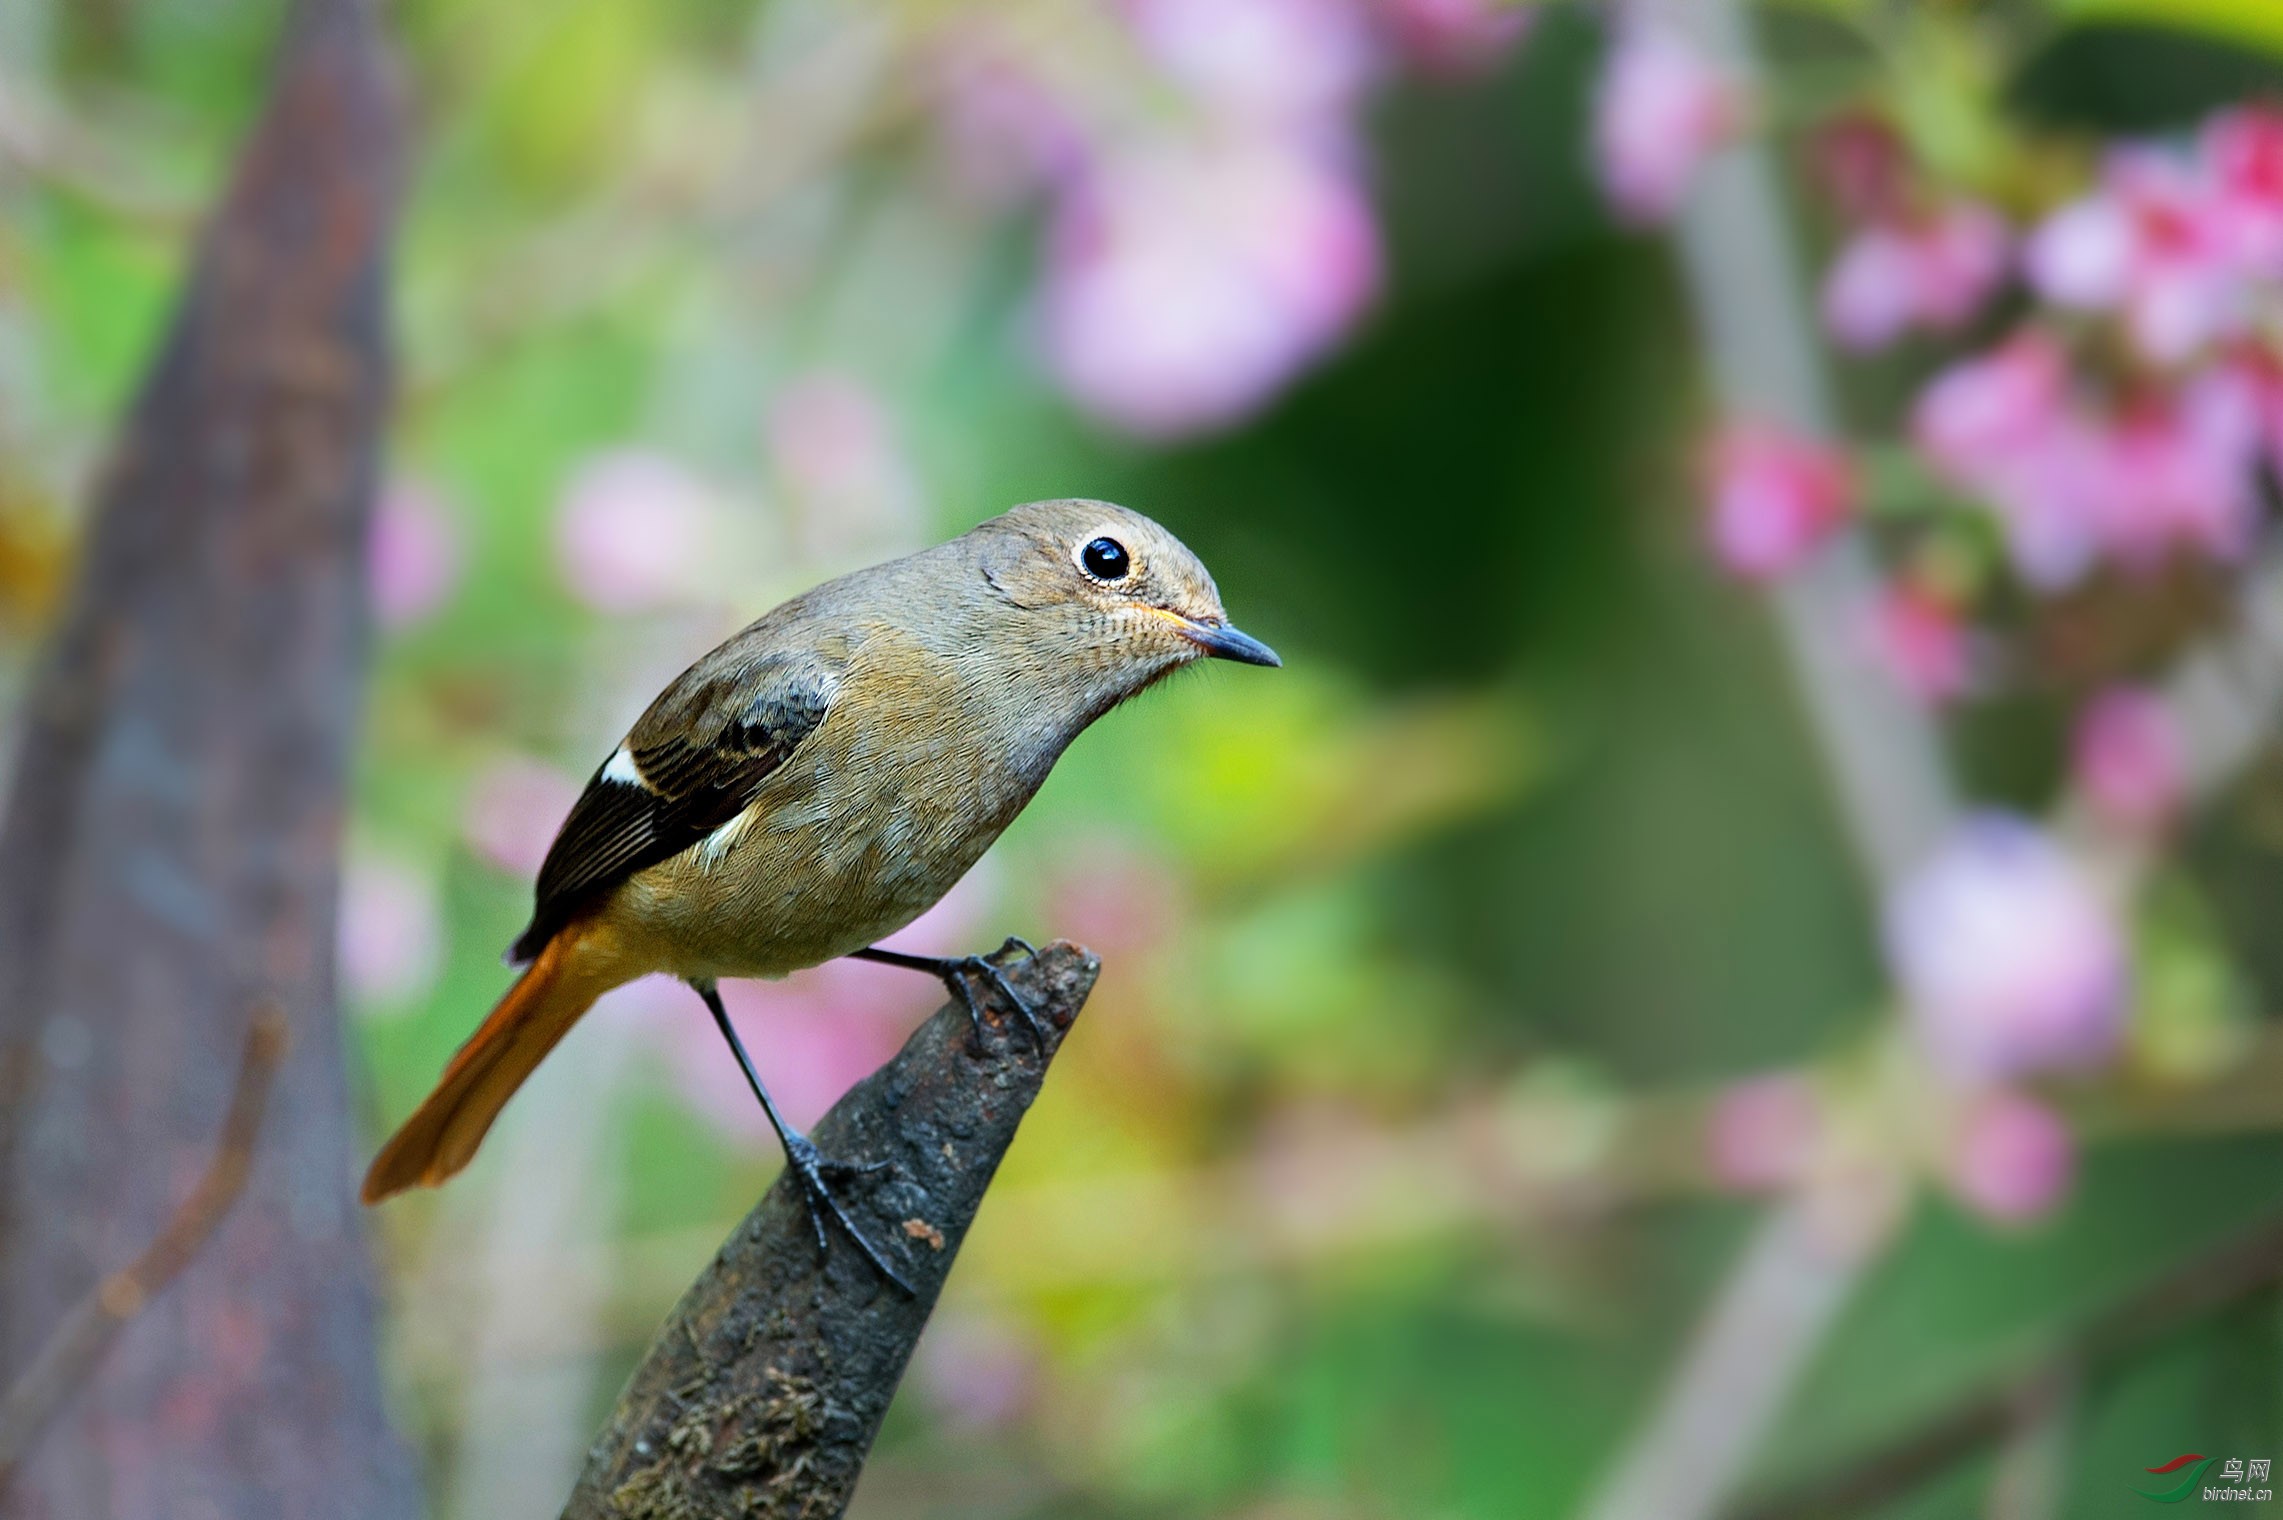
(1960, 255)
(413, 558)
(2178, 472)
(1184, 288)
(2258, 371)
(1919, 636)
(1764, 1132)
(2244, 152)
(392, 930)
(1280, 63)
(2008, 957)
(835, 451)
(1980, 411)
(1661, 111)
(977, 1371)
(2082, 255)
(1115, 897)
(2150, 245)
(1455, 36)
(634, 531)
(1006, 129)
(2130, 760)
(2013, 1160)
(1870, 295)
(2006, 427)
(2171, 470)
(1775, 497)
(1864, 166)
(1935, 274)
(513, 811)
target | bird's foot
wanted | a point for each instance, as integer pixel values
(960, 972)
(816, 1173)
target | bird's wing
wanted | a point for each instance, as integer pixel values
(694, 762)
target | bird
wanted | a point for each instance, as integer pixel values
(819, 780)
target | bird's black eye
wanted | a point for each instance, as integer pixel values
(1106, 559)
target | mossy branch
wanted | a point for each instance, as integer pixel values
(764, 1389)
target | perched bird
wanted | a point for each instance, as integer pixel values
(820, 780)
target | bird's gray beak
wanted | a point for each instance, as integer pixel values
(1224, 643)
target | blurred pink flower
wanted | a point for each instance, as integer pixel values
(2013, 1160)
(2258, 371)
(1115, 897)
(1918, 634)
(2130, 760)
(413, 557)
(1454, 36)
(392, 930)
(2243, 151)
(2082, 254)
(1775, 496)
(813, 1035)
(1280, 63)
(1005, 129)
(2008, 957)
(977, 1371)
(1862, 163)
(634, 531)
(1935, 273)
(2178, 472)
(835, 452)
(1979, 411)
(513, 811)
(1185, 287)
(1764, 1132)
(2005, 427)
(1661, 110)
(2151, 245)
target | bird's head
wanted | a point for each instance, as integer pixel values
(1110, 593)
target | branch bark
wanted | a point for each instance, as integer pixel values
(169, 853)
(76, 1345)
(763, 1391)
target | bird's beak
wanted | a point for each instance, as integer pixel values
(1225, 643)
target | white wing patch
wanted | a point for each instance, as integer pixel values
(719, 843)
(622, 769)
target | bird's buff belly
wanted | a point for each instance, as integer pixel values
(759, 900)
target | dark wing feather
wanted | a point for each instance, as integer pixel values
(704, 748)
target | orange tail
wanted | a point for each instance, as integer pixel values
(442, 1135)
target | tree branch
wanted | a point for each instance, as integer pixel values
(170, 849)
(87, 1329)
(763, 1391)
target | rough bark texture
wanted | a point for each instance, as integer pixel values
(762, 1392)
(169, 853)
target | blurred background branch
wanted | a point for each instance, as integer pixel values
(87, 1329)
(170, 852)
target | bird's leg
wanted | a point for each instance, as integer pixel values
(802, 1158)
(957, 972)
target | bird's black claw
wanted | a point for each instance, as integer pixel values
(814, 1172)
(955, 978)
(957, 974)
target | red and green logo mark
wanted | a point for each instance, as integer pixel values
(2193, 1462)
